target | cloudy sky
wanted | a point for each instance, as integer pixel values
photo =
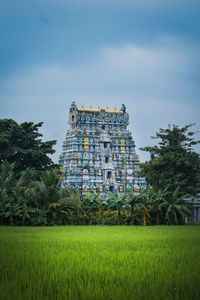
(143, 53)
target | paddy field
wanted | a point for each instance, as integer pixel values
(100, 262)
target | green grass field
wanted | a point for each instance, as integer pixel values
(96, 262)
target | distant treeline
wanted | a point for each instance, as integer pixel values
(31, 193)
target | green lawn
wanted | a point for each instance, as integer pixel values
(96, 262)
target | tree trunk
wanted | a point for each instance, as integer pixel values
(11, 220)
(119, 217)
(168, 220)
(132, 217)
(144, 220)
(102, 218)
(158, 218)
(77, 217)
(90, 217)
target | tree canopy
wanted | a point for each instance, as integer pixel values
(173, 161)
(22, 144)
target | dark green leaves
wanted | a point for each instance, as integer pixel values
(22, 144)
(173, 162)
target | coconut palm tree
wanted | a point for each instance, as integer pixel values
(145, 203)
(133, 201)
(157, 199)
(175, 206)
(7, 182)
(70, 198)
(102, 206)
(7, 177)
(4, 199)
(48, 196)
(11, 193)
(117, 202)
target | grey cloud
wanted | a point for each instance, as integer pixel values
(156, 84)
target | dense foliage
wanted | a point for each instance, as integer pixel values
(21, 144)
(31, 193)
(34, 202)
(28, 201)
(173, 161)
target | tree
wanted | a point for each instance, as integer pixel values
(46, 190)
(8, 206)
(102, 206)
(4, 200)
(22, 144)
(7, 177)
(49, 199)
(24, 212)
(70, 198)
(133, 201)
(90, 204)
(173, 162)
(25, 200)
(116, 202)
(12, 193)
(145, 203)
(157, 199)
(176, 208)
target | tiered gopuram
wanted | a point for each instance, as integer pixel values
(99, 151)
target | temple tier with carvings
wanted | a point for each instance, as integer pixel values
(99, 152)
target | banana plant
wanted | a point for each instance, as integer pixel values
(145, 203)
(175, 206)
(90, 204)
(117, 202)
(133, 202)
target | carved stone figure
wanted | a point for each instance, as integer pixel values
(123, 108)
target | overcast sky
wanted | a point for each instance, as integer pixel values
(143, 53)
